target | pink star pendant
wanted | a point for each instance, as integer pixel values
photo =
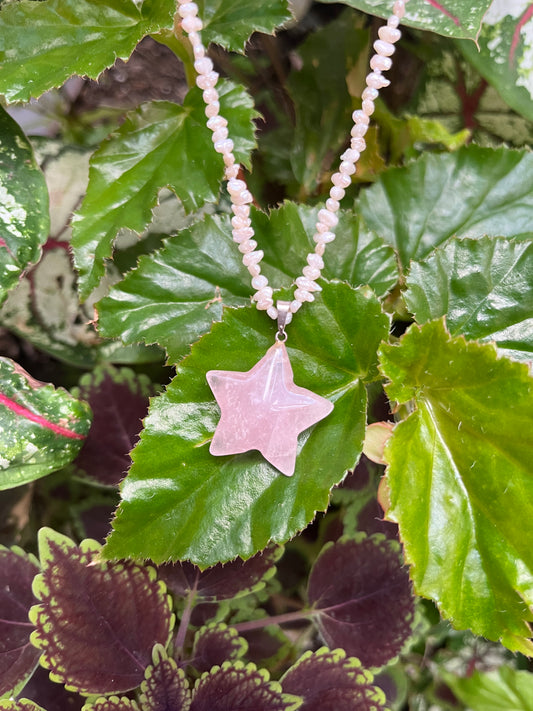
(263, 409)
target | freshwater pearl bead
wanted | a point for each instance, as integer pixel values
(225, 146)
(239, 222)
(311, 272)
(307, 284)
(314, 260)
(241, 210)
(324, 237)
(253, 258)
(332, 205)
(264, 304)
(377, 81)
(273, 313)
(295, 305)
(236, 186)
(187, 9)
(210, 96)
(303, 295)
(368, 107)
(327, 218)
(197, 47)
(389, 34)
(242, 198)
(216, 122)
(264, 293)
(399, 9)
(347, 167)
(242, 234)
(247, 246)
(204, 65)
(340, 180)
(320, 248)
(220, 135)
(369, 94)
(360, 117)
(337, 193)
(206, 81)
(321, 227)
(191, 24)
(229, 160)
(259, 282)
(359, 130)
(254, 269)
(358, 143)
(385, 49)
(380, 63)
(350, 156)
(232, 171)
(212, 109)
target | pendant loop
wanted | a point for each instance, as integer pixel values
(284, 317)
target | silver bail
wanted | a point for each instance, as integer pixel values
(284, 317)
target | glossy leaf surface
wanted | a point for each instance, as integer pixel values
(17, 570)
(453, 18)
(216, 643)
(363, 595)
(330, 681)
(41, 428)
(499, 690)
(165, 685)
(154, 148)
(175, 294)
(234, 685)
(483, 287)
(457, 466)
(119, 401)
(96, 622)
(231, 22)
(470, 193)
(24, 220)
(239, 503)
(44, 43)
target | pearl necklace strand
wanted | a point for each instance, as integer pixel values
(240, 196)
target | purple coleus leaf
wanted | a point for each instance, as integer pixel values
(362, 596)
(236, 686)
(19, 705)
(221, 582)
(96, 623)
(216, 643)
(119, 401)
(49, 695)
(329, 681)
(165, 687)
(113, 703)
(17, 656)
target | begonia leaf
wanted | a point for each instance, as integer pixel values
(457, 465)
(44, 43)
(470, 193)
(239, 503)
(19, 705)
(234, 685)
(216, 643)
(175, 294)
(483, 287)
(97, 622)
(18, 657)
(453, 18)
(119, 401)
(24, 219)
(154, 148)
(499, 690)
(41, 428)
(351, 585)
(331, 681)
(503, 54)
(112, 703)
(165, 685)
(221, 582)
(231, 22)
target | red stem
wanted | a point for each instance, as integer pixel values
(39, 419)
(516, 34)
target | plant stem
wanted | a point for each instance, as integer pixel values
(186, 616)
(274, 620)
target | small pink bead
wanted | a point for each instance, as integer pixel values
(254, 269)
(316, 261)
(320, 249)
(210, 96)
(368, 107)
(307, 284)
(239, 222)
(259, 282)
(376, 81)
(393, 22)
(264, 293)
(191, 24)
(389, 34)
(311, 272)
(241, 210)
(381, 64)
(359, 130)
(360, 117)
(385, 49)
(247, 246)
(340, 180)
(295, 305)
(242, 234)
(399, 9)
(327, 218)
(273, 313)
(232, 171)
(358, 144)
(324, 237)
(245, 196)
(204, 65)
(212, 109)
(370, 94)
(321, 227)
(236, 186)
(253, 258)
(337, 193)
(188, 9)
(347, 167)
(216, 122)
(264, 304)
(225, 146)
(207, 81)
(332, 205)
(229, 160)
(197, 47)
(219, 135)
(350, 155)
(303, 295)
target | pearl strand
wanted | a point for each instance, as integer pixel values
(240, 196)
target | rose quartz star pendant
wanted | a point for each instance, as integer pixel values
(263, 409)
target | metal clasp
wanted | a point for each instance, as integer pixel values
(284, 318)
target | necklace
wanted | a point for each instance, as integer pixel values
(263, 409)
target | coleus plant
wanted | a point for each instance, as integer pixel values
(442, 241)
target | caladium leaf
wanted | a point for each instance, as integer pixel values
(154, 148)
(216, 643)
(329, 680)
(453, 18)
(234, 685)
(19, 658)
(240, 503)
(457, 465)
(112, 703)
(483, 287)
(498, 690)
(24, 219)
(470, 193)
(221, 582)
(504, 53)
(165, 685)
(41, 428)
(89, 629)
(351, 583)
(119, 400)
(175, 294)
(231, 22)
(44, 43)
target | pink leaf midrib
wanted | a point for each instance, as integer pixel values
(22, 411)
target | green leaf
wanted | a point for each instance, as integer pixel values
(504, 53)
(460, 479)
(19, 705)
(499, 690)
(470, 193)
(41, 428)
(24, 220)
(175, 294)
(239, 503)
(483, 287)
(453, 18)
(154, 148)
(231, 22)
(44, 43)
